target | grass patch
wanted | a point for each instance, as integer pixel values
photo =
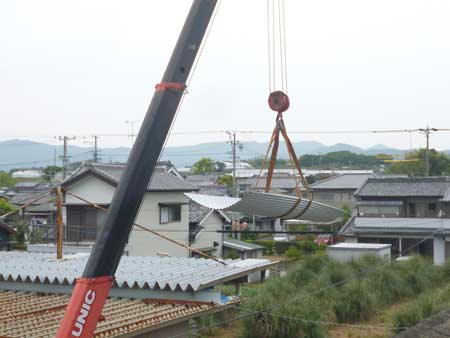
(361, 288)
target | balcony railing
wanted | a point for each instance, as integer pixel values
(71, 234)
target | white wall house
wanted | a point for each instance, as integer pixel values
(204, 224)
(164, 209)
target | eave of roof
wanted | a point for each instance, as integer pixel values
(155, 273)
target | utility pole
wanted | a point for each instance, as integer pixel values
(132, 122)
(427, 131)
(65, 157)
(233, 143)
(95, 155)
(59, 223)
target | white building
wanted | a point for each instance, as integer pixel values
(345, 252)
(164, 209)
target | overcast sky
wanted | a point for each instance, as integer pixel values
(84, 67)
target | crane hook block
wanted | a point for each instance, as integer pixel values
(278, 101)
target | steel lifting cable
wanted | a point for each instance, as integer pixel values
(147, 229)
(279, 102)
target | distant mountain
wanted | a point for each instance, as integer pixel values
(25, 153)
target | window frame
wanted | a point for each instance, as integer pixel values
(168, 206)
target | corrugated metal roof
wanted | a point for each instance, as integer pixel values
(213, 201)
(270, 205)
(33, 315)
(154, 273)
(274, 205)
(241, 245)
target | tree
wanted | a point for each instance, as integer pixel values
(4, 206)
(220, 167)
(6, 180)
(439, 164)
(225, 180)
(204, 166)
(50, 171)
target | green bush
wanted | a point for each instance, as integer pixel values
(292, 252)
(268, 246)
(233, 254)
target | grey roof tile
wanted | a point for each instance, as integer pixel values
(197, 212)
(160, 181)
(401, 186)
(395, 226)
(343, 181)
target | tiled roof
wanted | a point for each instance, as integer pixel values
(197, 212)
(343, 181)
(160, 181)
(152, 273)
(32, 315)
(26, 184)
(410, 186)
(25, 197)
(278, 182)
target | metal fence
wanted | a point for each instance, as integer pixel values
(71, 234)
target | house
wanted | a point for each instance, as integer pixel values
(164, 209)
(5, 236)
(437, 326)
(244, 249)
(151, 296)
(203, 224)
(40, 211)
(339, 190)
(412, 214)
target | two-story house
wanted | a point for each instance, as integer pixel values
(339, 190)
(164, 209)
(411, 213)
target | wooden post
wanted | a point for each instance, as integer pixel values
(59, 222)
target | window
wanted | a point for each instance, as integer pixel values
(431, 206)
(169, 213)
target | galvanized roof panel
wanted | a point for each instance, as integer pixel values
(275, 205)
(270, 205)
(159, 273)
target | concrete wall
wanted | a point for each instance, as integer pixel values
(350, 254)
(439, 251)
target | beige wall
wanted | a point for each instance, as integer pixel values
(91, 189)
(142, 243)
(206, 238)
